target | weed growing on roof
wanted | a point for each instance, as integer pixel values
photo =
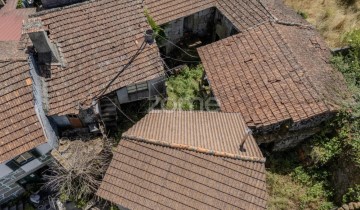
(303, 14)
(158, 30)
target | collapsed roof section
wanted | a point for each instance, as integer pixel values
(187, 160)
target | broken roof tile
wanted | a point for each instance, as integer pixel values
(273, 79)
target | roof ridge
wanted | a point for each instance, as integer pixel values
(195, 149)
(160, 111)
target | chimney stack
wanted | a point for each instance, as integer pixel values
(248, 133)
(47, 51)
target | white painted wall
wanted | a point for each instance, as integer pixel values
(4, 170)
(44, 149)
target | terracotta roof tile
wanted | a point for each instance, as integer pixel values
(281, 12)
(315, 56)
(168, 10)
(144, 175)
(96, 40)
(20, 129)
(243, 14)
(212, 132)
(257, 74)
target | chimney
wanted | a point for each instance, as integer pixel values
(248, 133)
(47, 51)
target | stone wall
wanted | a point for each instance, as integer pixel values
(350, 206)
(345, 174)
(287, 134)
(201, 23)
(9, 189)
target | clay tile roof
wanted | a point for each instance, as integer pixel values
(283, 13)
(242, 13)
(211, 132)
(96, 39)
(150, 175)
(264, 75)
(20, 129)
(11, 20)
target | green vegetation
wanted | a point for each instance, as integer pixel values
(331, 17)
(159, 32)
(345, 140)
(295, 184)
(183, 89)
(19, 4)
(303, 14)
(352, 195)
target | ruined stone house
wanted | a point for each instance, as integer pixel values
(252, 60)
(80, 48)
(263, 61)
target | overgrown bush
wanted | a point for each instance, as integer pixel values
(296, 185)
(292, 186)
(345, 136)
(183, 89)
(344, 140)
(353, 194)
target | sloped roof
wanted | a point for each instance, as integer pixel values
(148, 174)
(197, 130)
(96, 39)
(11, 20)
(264, 74)
(280, 12)
(242, 13)
(20, 129)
